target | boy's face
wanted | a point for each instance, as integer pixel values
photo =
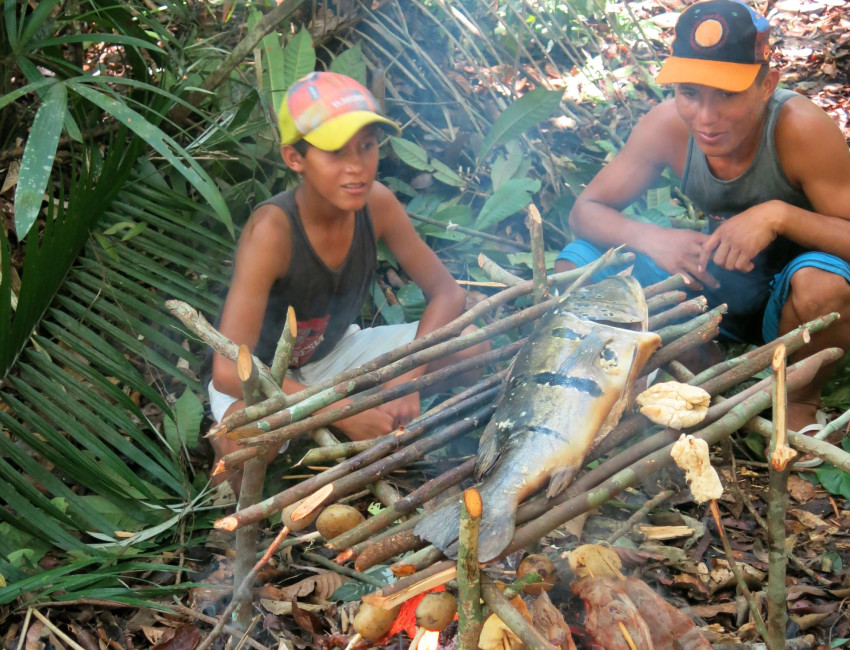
(724, 124)
(343, 177)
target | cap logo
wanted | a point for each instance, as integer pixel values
(710, 33)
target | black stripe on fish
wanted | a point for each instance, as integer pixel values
(546, 431)
(583, 384)
(566, 333)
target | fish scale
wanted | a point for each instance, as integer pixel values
(567, 387)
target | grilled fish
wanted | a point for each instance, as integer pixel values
(568, 385)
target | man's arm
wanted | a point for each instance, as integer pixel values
(445, 299)
(659, 140)
(813, 155)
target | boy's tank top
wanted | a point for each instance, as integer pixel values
(764, 180)
(325, 301)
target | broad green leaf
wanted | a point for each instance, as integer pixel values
(526, 112)
(274, 69)
(457, 214)
(119, 39)
(446, 174)
(834, 479)
(164, 144)
(351, 63)
(411, 154)
(188, 412)
(425, 205)
(505, 167)
(37, 161)
(35, 21)
(299, 57)
(354, 589)
(509, 199)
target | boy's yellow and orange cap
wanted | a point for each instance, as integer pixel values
(326, 109)
(718, 43)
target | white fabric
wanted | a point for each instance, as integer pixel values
(356, 347)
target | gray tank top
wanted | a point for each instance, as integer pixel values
(745, 293)
(325, 301)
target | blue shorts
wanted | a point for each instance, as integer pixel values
(750, 320)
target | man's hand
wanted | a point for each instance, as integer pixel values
(678, 251)
(739, 239)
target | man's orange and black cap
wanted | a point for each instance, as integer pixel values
(718, 43)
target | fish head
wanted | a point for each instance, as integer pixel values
(617, 300)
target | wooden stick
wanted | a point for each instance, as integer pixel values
(195, 321)
(497, 273)
(341, 473)
(512, 617)
(668, 284)
(225, 615)
(777, 506)
(672, 332)
(283, 351)
(379, 552)
(249, 414)
(706, 332)
(538, 253)
(295, 429)
(423, 493)
(665, 300)
(739, 577)
(471, 232)
(315, 558)
(687, 309)
(469, 583)
(406, 588)
(251, 491)
(780, 452)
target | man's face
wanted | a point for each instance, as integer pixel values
(724, 124)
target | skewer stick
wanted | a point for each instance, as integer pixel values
(469, 581)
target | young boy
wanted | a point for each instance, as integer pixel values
(314, 248)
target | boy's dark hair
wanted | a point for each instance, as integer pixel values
(302, 146)
(762, 73)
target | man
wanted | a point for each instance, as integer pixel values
(768, 168)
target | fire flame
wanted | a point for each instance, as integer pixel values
(429, 641)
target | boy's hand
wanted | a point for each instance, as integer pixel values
(366, 425)
(401, 410)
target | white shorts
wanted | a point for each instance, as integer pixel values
(356, 347)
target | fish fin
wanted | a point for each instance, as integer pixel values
(558, 481)
(586, 352)
(441, 527)
(488, 449)
(496, 529)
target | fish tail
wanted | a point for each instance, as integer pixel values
(441, 527)
(496, 530)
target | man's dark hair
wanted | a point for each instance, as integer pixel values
(762, 73)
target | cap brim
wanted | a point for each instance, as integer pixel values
(734, 77)
(335, 133)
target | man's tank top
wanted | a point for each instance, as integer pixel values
(326, 301)
(764, 180)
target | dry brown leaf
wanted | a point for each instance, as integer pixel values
(495, 635)
(551, 624)
(321, 586)
(809, 620)
(284, 607)
(812, 521)
(611, 614)
(595, 560)
(668, 627)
